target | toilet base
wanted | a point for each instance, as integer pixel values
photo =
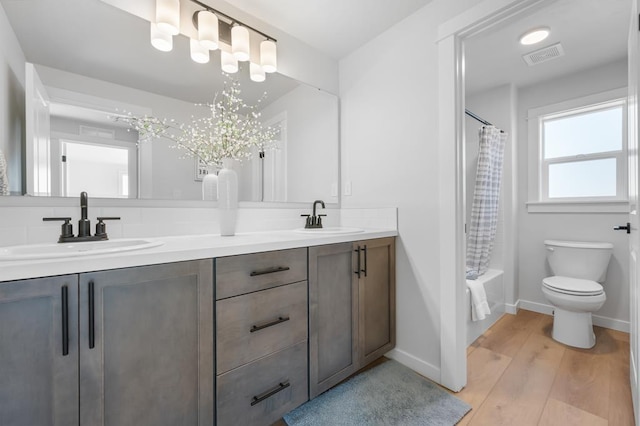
(573, 328)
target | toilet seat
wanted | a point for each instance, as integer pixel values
(573, 286)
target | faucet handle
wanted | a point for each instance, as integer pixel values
(101, 228)
(66, 229)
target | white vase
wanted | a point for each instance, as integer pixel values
(227, 198)
(210, 184)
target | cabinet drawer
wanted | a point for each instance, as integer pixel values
(258, 271)
(259, 393)
(256, 324)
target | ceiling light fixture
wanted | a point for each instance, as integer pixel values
(215, 30)
(534, 36)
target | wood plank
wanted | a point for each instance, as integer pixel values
(582, 381)
(620, 402)
(519, 397)
(510, 332)
(558, 413)
(484, 369)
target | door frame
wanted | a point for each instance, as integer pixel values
(451, 34)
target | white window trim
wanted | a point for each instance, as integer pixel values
(536, 181)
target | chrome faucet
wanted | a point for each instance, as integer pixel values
(314, 221)
(84, 225)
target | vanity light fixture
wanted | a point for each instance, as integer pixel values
(534, 36)
(208, 29)
(256, 72)
(199, 53)
(161, 40)
(228, 62)
(168, 16)
(215, 31)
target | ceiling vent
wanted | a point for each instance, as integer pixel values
(543, 55)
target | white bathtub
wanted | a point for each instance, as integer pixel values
(494, 286)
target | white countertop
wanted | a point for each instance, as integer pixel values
(176, 249)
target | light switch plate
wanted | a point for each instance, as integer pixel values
(347, 188)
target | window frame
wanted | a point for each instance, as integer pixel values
(539, 200)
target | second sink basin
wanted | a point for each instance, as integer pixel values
(62, 250)
(329, 230)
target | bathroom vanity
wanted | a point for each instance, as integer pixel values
(199, 331)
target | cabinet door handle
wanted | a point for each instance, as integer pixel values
(269, 271)
(259, 398)
(65, 320)
(268, 324)
(358, 271)
(92, 313)
(365, 261)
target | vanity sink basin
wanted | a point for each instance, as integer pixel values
(329, 230)
(64, 250)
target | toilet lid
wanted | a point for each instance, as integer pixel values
(575, 286)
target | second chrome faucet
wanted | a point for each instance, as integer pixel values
(84, 225)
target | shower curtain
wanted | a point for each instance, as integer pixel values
(484, 210)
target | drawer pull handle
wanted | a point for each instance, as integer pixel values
(92, 316)
(270, 271)
(268, 324)
(259, 398)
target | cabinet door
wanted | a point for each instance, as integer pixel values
(146, 345)
(39, 352)
(377, 299)
(333, 316)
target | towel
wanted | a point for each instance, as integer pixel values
(479, 306)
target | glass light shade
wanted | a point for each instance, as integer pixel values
(228, 62)
(256, 72)
(268, 58)
(161, 40)
(168, 16)
(208, 30)
(534, 36)
(199, 53)
(240, 42)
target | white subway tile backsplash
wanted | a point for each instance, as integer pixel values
(27, 226)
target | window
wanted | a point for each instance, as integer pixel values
(581, 149)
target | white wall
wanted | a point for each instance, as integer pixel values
(389, 136)
(312, 126)
(11, 103)
(534, 228)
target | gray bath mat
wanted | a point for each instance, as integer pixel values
(389, 394)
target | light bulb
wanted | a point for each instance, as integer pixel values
(268, 57)
(256, 73)
(161, 40)
(208, 29)
(168, 16)
(199, 53)
(240, 42)
(228, 62)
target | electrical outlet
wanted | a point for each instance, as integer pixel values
(334, 189)
(347, 188)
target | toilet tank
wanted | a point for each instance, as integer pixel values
(578, 259)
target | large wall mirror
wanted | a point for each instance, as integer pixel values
(89, 61)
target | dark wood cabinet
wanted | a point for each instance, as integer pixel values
(39, 352)
(146, 345)
(351, 308)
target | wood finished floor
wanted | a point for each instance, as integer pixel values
(519, 375)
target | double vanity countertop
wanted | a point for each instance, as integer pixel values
(180, 248)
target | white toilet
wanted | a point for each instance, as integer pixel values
(574, 290)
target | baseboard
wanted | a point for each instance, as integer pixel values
(540, 308)
(512, 308)
(606, 322)
(416, 364)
